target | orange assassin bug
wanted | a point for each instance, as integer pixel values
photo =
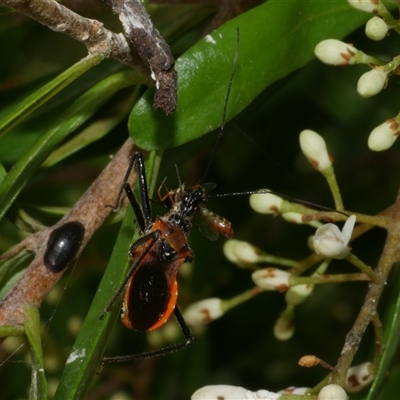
(150, 285)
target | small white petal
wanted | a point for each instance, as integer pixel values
(265, 203)
(371, 83)
(332, 392)
(358, 377)
(314, 148)
(369, 6)
(376, 28)
(335, 52)
(384, 135)
(204, 311)
(271, 279)
(348, 229)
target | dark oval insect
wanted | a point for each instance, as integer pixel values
(63, 245)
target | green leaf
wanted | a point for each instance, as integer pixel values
(276, 39)
(15, 115)
(38, 389)
(3, 173)
(94, 131)
(79, 112)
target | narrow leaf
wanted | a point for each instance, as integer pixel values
(79, 112)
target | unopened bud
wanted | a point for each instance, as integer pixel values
(359, 377)
(376, 28)
(372, 82)
(370, 6)
(332, 392)
(204, 311)
(241, 253)
(335, 52)
(266, 203)
(271, 279)
(384, 135)
(284, 327)
(314, 148)
(309, 361)
(246, 252)
(293, 217)
(297, 294)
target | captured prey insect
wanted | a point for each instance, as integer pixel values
(162, 247)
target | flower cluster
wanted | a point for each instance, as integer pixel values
(216, 392)
(372, 82)
(273, 273)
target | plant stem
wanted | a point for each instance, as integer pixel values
(390, 255)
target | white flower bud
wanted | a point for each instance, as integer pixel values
(204, 311)
(314, 148)
(246, 253)
(297, 294)
(284, 327)
(330, 242)
(293, 217)
(384, 135)
(376, 28)
(372, 82)
(229, 250)
(241, 253)
(271, 279)
(229, 392)
(358, 377)
(266, 203)
(335, 52)
(370, 6)
(332, 392)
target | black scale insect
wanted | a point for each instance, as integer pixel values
(63, 245)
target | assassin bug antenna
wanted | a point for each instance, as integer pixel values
(150, 284)
(228, 92)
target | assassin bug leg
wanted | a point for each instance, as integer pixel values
(156, 353)
(143, 212)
